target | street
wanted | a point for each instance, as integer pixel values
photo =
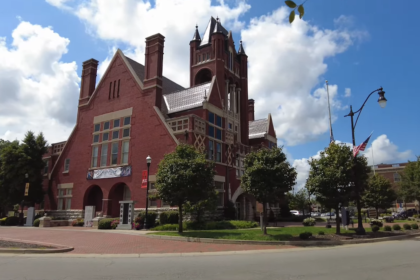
(385, 261)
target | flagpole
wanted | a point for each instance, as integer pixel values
(329, 114)
(373, 162)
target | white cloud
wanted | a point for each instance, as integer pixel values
(286, 64)
(347, 92)
(384, 151)
(302, 169)
(38, 92)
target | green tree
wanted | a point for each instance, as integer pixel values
(299, 200)
(198, 209)
(185, 176)
(379, 193)
(268, 176)
(331, 178)
(17, 160)
(410, 181)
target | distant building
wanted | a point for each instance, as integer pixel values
(393, 173)
(134, 111)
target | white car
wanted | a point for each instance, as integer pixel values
(296, 212)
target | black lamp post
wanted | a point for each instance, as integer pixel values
(382, 102)
(149, 161)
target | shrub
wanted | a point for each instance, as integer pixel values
(115, 223)
(151, 218)
(3, 221)
(389, 219)
(78, 222)
(415, 226)
(11, 221)
(406, 226)
(305, 235)
(229, 211)
(36, 223)
(208, 226)
(328, 226)
(415, 216)
(387, 228)
(319, 219)
(396, 227)
(309, 222)
(106, 223)
(375, 222)
(168, 217)
(375, 228)
(321, 233)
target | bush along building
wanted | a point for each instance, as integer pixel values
(134, 112)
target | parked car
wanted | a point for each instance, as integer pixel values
(296, 212)
(405, 214)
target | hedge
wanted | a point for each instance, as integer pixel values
(3, 221)
(78, 222)
(11, 221)
(106, 223)
(36, 223)
(208, 225)
(151, 218)
(168, 217)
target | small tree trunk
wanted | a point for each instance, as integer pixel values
(180, 218)
(377, 212)
(265, 218)
(337, 222)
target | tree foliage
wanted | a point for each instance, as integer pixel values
(410, 181)
(198, 209)
(331, 177)
(299, 200)
(379, 193)
(293, 6)
(185, 176)
(18, 159)
(268, 176)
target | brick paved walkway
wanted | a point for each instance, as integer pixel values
(99, 242)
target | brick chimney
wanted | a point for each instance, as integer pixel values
(251, 103)
(90, 68)
(153, 66)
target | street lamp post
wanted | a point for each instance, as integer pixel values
(148, 161)
(382, 102)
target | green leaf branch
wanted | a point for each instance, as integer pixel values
(300, 10)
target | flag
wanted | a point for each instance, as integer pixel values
(144, 179)
(361, 147)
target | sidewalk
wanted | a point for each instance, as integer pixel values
(88, 241)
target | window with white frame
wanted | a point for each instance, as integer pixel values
(124, 153)
(126, 132)
(164, 204)
(67, 165)
(152, 203)
(60, 201)
(127, 120)
(106, 125)
(117, 123)
(46, 162)
(114, 153)
(116, 134)
(215, 125)
(96, 138)
(211, 150)
(105, 136)
(397, 177)
(152, 186)
(104, 154)
(95, 150)
(218, 152)
(97, 127)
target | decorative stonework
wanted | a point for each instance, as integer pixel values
(199, 142)
(229, 137)
(199, 126)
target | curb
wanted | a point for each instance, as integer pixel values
(57, 248)
(290, 243)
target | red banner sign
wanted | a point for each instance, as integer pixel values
(144, 179)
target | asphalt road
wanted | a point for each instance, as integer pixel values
(390, 260)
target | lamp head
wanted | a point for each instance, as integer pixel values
(149, 160)
(26, 175)
(382, 100)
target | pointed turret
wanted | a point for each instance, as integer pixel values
(196, 35)
(241, 48)
(218, 27)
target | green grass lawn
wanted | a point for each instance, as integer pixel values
(274, 234)
(404, 221)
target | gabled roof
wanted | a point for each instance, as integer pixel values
(209, 31)
(168, 85)
(258, 128)
(187, 98)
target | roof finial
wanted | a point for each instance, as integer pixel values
(196, 34)
(217, 18)
(241, 48)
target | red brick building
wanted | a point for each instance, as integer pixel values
(134, 112)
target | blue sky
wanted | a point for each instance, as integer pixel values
(362, 45)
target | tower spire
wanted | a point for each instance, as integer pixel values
(196, 34)
(241, 48)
